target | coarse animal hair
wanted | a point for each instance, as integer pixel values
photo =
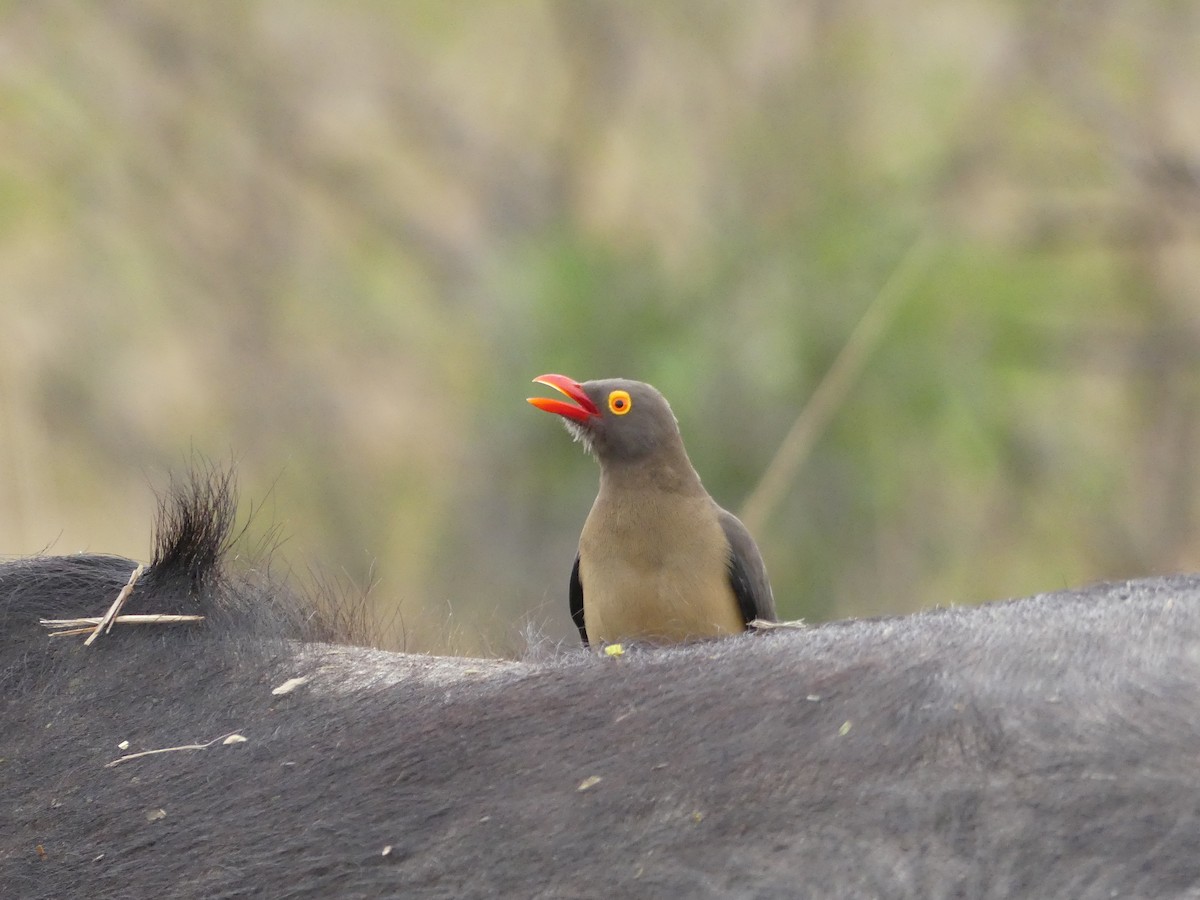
(1038, 748)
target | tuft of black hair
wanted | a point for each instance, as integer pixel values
(193, 530)
(194, 534)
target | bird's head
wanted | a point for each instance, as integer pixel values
(617, 420)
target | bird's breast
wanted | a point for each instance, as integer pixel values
(655, 568)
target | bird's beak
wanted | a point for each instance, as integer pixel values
(585, 409)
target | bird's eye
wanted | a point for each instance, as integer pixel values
(619, 402)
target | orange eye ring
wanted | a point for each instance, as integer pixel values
(619, 403)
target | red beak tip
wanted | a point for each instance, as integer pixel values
(583, 409)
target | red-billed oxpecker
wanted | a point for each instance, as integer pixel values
(659, 560)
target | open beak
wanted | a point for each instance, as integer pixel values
(580, 411)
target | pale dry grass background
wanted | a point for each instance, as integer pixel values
(334, 242)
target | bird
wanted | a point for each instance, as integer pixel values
(659, 561)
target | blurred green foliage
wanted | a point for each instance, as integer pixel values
(335, 241)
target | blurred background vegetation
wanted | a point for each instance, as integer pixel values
(334, 241)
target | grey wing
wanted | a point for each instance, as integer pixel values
(575, 596)
(747, 571)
